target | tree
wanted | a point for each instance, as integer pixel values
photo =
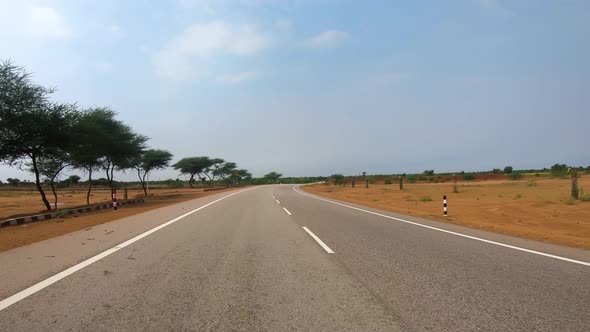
(242, 174)
(104, 143)
(559, 170)
(225, 170)
(72, 179)
(50, 167)
(508, 169)
(151, 160)
(213, 169)
(428, 172)
(90, 133)
(13, 182)
(496, 171)
(30, 125)
(192, 166)
(272, 177)
(337, 178)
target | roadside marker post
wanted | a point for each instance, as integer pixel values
(445, 205)
(114, 193)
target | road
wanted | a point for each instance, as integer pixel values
(273, 258)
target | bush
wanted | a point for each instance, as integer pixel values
(518, 196)
(337, 178)
(425, 199)
(515, 176)
(428, 172)
(559, 170)
(508, 169)
(411, 178)
(387, 181)
(532, 183)
(468, 176)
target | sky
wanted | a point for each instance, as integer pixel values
(316, 87)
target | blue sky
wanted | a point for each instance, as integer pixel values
(320, 87)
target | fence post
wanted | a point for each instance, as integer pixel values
(445, 205)
(455, 187)
(114, 193)
(125, 193)
(401, 182)
(366, 183)
(353, 182)
(575, 192)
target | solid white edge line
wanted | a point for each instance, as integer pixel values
(318, 240)
(450, 232)
(7, 302)
(289, 213)
(277, 201)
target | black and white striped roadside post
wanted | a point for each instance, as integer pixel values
(445, 205)
(114, 193)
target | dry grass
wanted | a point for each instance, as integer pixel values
(541, 211)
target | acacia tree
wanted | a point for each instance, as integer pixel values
(30, 126)
(272, 177)
(104, 143)
(90, 133)
(148, 161)
(51, 166)
(213, 169)
(193, 166)
(240, 174)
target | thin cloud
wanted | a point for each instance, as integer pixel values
(236, 78)
(176, 60)
(326, 39)
(496, 7)
(47, 22)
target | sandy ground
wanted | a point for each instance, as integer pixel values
(16, 236)
(532, 208)
(27, 201)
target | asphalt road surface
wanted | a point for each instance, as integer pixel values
(273, 258)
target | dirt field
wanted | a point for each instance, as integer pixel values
(533, 208)
(24, 202)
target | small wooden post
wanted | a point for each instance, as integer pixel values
(125, 193)
(455, 187)
(366, 183)
(353, 182)
(401, 182)
(575, 192)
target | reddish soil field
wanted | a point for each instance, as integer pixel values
(20, 235)
(533, 208)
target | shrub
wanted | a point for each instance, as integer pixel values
(559, 170)
(468, 176)
(532, 183)
(570, 201)
(428, 172)
(337, 178)
(411, 178)
(425, 199)
(387, 181)
(515, 176)
(508, 169)
(518, 196)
